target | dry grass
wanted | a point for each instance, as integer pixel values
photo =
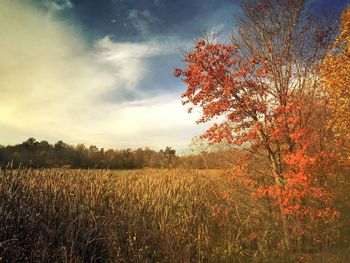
(150, 215)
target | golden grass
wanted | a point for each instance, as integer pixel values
(63, 215)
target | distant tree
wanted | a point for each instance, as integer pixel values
(128, 159)
(147, 153)
(43, 154)
(81, 156)
(139, 158)
(156, 159)
(170, 157)
(93, 154)
(63, 153)
(110, 157)
(30, 143)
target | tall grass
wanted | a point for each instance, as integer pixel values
(63, 215)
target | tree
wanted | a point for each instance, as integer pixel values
(63, 153)
(43, 154)
(265, 87)
(169, 157)
(336, 72)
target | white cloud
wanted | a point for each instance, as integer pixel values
(125, 59)
(142, 21)
(128, 59)
(51, 86)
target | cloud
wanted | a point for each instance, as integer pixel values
(136, 62)
(57, 5)
(127, 58)
(142, 21)
(53, 86)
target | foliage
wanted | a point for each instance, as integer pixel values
(265, 86)
(336, 72)
(32, 153)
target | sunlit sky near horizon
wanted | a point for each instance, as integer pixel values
(100, 72)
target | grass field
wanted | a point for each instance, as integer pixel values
(63, 215)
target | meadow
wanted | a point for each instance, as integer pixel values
(148, 215)
(268, 180)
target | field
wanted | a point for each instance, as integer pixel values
(63, 215)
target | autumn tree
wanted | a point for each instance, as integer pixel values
(336, 72)
(264, 84)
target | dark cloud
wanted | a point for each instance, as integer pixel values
(142, 19)
(136, 20)
(139, 21)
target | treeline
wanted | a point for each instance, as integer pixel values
(41, 154)
(33, 153)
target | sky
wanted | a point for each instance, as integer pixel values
(100, 72)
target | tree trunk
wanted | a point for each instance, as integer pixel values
(276, 171)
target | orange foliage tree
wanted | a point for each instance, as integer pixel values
(336, 72)
(264, 86)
